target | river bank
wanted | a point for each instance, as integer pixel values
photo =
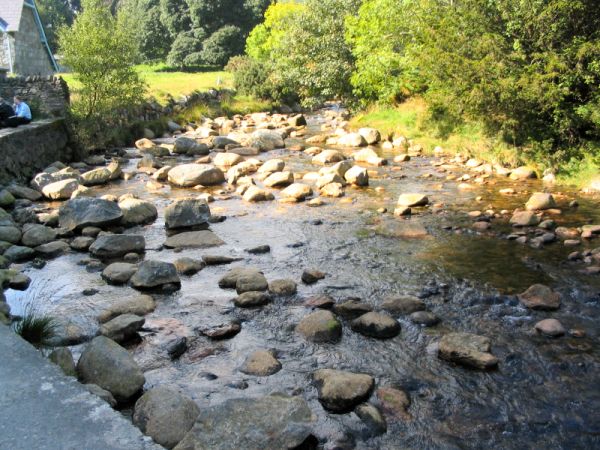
(455, 264)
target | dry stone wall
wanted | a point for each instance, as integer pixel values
(48, 96)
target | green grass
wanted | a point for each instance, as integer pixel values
(409, 119)
(229, 106)
(35, 328)
(164, 83)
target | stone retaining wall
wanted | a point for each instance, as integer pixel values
(27, 149)
(48, 96)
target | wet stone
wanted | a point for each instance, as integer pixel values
(118, 273)
(102, 393)
(424, 318)
(261, 363)
(251, 282)
(222, 331)
(189, 266)
(540, 297)
(217, 260)
(311, 276)
(376, 325)
(320, 327)
(86, 211)
(155, 274)
(194, 239)
(52, 249)
(283, 287)
(139, 305)
(122, 328)
(372, 418)
(402, 304)
(82, 243)
(117, 245)
(394, 402)
(252, 299)
(550, 328)
(63, 358)
(19, 282)
(320, 301)
(340, 391)
(467, 349)
(352, 308)
(259, 250)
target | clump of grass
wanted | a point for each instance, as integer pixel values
(37, 329)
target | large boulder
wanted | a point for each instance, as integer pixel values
(190, 175)
(60, 190)
(44, 178)
(266, 140)
(340, 391)
(187, 213)
(320, 326)
(84, 212)
(467, 349)
(256, 194)
(370, 135)
(187, 146)
(165, 415)
(117, 245)
(36, 234)
(357, 176)
(274, 422)
(540, 201)
(137, 212)
(108, 365)
(154, 275)
(297, 191)
(277, 179)
(352, 140)
(10, 233)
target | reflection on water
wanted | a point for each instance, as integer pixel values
(544, 394)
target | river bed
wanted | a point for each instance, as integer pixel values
(544, 393)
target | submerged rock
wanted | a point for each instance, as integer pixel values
(341, 391)
(550, 327)
(352, 308)
(108, 365)
(165, 415)
(274, 422)
(372, 418)
(394, 402)
(194, 239)
(251, 299)
(138, 304)
(467, 349)
(402, 304)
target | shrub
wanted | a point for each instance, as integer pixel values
(222, 45)
(35, 328)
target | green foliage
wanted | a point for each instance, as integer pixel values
(54, 14)
(313, 55)
(185, 50)
(35, 328)
(174, 16)
(101, 50)
(222, 45)
(266, 37)
(153, 37)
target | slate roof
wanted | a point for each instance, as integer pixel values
(10, 12)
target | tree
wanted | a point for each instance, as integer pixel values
(54, 14)
(186, 49)
(175, 16)
(101, 50)
(222, 45)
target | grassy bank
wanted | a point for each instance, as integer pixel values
(164, 82)
(410, 119)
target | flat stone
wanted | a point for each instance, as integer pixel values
(35, 234)
(18, 253)
(320, 301)
(340, 391)
(52, 249)
(412, 200)
(217, 260)
(311, 276)
(222, 330)
(261, 363)
(352, 308)
(187, 213)
(271, 423)
(467, 349)
(320, 327)
(376, 325)
(194, 239)
(139, 305)
(283, 287)
(190, 175)
(189, 266)
(540, 297)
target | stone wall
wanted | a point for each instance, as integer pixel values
(48, 96)
(31, 56)
(27, 149)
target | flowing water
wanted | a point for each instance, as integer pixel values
(544, 393)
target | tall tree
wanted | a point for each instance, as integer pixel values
(54, 14)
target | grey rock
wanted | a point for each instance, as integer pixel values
(372, 418)
(402, 304)
(86, 211)
(118, 273)
(165, 415)
(261, 363)
(155, 274)
(189, 266)
(107, 364)
(320, 327)
(377, 325)
(283, 287)
(194, 239)
(187, 213)
(122, 328)
(252, 299)
(35, 234)
(117, 245)
(137, 212)
(139, 305)
(341, 391)
(18, 253)
(274, 422)
(10, 234)
(352, 308)
(467, 349)
(63, 358)
(424, 318)
(102, 393)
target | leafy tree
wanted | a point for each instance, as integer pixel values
(222, 45)
(266, 37)
(313, 55)
(186, 49)
(101, 50)
(175, 16)
(145, 18)
(54, 14)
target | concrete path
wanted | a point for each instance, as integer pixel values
(42, 409)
